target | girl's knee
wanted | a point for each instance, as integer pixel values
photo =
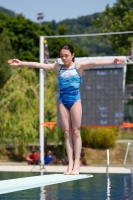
(66, 133)
(76, 132)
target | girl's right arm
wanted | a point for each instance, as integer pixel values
(50, 67)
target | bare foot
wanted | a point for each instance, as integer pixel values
(69, 169)
(76, 169)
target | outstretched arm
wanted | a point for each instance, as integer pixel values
(50, 67)
(89, 65)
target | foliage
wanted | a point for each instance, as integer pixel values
(6, 53)
(94, 46)
(19, 108)
(101, 138)
(118, 18)
(85, 136)
(51, 96)
(24, 36)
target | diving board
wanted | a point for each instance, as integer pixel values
(13, 185)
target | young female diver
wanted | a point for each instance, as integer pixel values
(70, 78)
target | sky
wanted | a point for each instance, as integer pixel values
(57, 10)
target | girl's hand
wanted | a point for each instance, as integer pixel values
(14, 62)
(118, 61)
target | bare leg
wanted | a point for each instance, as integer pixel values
(69, 149)
(76, 114)
(66, 125)
(77, 150)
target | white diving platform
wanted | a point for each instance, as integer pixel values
(13, 185)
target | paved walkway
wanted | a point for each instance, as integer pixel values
(17, 167)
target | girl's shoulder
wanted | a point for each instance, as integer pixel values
(57, 67)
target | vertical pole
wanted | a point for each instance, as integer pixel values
(41, 138)
(132, 157)
(107, 160)
(108, 157)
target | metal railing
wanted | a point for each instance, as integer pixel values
(130, 144)
(107, 167)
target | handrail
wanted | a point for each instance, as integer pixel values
(107, 167)
(126, 154)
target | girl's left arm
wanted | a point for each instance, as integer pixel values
(91, 64)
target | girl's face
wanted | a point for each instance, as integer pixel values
(66, 56)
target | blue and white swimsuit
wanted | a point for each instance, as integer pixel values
(69, 84)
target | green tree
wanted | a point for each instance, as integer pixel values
(6, 53)
(118, 18)
(94, 46)
(19, 107)
(24, 36)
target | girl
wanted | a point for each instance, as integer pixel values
(70, 78)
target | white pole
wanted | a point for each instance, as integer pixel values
(108, 157)
(107, 168)
(41, 138)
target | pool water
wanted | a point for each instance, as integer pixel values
(99, 187)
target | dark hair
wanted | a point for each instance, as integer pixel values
(68, 47)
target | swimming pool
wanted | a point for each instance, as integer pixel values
(100, 187)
